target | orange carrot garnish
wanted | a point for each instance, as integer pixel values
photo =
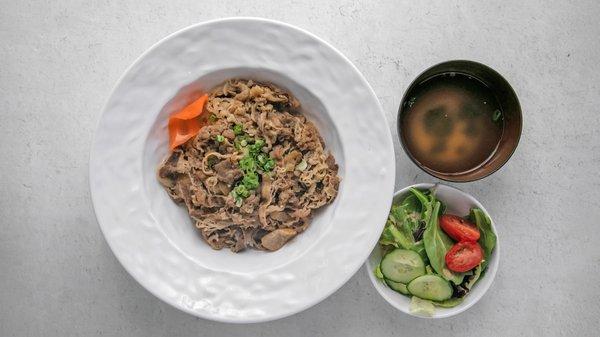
(186, 123)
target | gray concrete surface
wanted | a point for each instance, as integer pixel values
(60, 59)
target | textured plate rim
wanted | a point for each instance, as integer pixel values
(118, 83)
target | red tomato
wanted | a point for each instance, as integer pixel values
(464, 256)
(458, 228)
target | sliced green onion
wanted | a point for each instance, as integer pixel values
(238, 129)
(262, 159)
(247, 164)
(257, 146)
(268, 165)
(497, 115)
(241, 191)
(253, 160)
(250, 181)
(220, 138)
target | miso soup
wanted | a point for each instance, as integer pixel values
(451, 123)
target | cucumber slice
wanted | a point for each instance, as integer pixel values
(402, 265)
(449, 303)
(397, 286)
(430, 287)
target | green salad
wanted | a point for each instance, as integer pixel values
(433, 257)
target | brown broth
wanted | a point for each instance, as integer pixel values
(452, 123)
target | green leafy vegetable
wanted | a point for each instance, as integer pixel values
(400, 237)
(404, 221)
(419, 247)
(378, 273)
(412, 206)
(419, 306)
(475, 277)
(487, 238)
(426, 204)
(408, 213)
(442, 207)
(437, 244)
(387, 238)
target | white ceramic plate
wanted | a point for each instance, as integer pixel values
(457, 202)
(154, 238)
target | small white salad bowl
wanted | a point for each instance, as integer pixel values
(459, 203)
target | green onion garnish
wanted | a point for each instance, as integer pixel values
(497, 115)
(238, 129)
(247, 164)
(250, 181)
(268, 165)
(253, 162)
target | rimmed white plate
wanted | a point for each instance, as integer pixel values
(155, 240)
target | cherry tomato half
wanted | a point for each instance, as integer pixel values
(458, 228)
(464, 256)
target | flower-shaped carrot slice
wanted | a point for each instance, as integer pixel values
(186, 123)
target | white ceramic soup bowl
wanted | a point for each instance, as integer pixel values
(459, 203)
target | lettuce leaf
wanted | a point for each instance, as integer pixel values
(404, 221)
(487, 238)
(437, 244)
(419, 306)
(377, 272)
(475, 276)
